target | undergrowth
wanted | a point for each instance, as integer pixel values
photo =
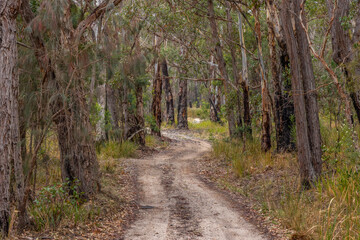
(210, 130)
(330, 210)
(54, 205)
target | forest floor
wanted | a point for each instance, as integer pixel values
(176, 203)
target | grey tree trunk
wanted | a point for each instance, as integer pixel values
(140, 123)
(9, 111)
(156, 101)
(236, 105)
(182, 105)
(305, 102)
(245, 80)
(280, 67)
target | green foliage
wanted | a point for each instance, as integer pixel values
(202, 113)
(117, 150)
(209, 130)
(151, 122)
(54, 204)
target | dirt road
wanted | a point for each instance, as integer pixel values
(175, 204)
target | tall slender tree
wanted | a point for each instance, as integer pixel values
(169, 113)
(303, 86)
(215, 40)
(9, 111)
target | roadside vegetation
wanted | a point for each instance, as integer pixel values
(330, 210)
(56, 212)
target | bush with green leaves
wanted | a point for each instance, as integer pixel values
(57, 203)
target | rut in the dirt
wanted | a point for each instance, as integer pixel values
(175, 204)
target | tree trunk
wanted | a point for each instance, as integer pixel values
(303, 85)
(266, 101)
(100, 125)
(245, 81)
(237, 102)
(283, 103)
(170, 114)
(112, 105)
(342, 47)
(140, 123)
(77, 151)
(9, 112)
(125, 110)
(182, 105)
(214, 104)
(222, 66)
(156, 102)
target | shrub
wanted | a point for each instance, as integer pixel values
(55, 204)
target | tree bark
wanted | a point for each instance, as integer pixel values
(213, 94)
(303, 85)
(237, 103)
(112, 105)
(77, 149)
(156, 101)
(283, 102)
(100, 125)
(182, 105)
(222, 66)
(9, 111)
(265, 100)
(342, 47)
(140, 123)
(245, 81)
(170, 114)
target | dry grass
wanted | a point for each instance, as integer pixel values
(331, 210)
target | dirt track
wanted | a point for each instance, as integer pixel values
(175, 204)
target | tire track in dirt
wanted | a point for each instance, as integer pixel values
(175, 204)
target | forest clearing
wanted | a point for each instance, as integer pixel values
(179, 119)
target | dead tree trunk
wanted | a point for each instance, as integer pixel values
(303, 84)
(9, 112)
(221, 65)
(156, 101)
(170, 114)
